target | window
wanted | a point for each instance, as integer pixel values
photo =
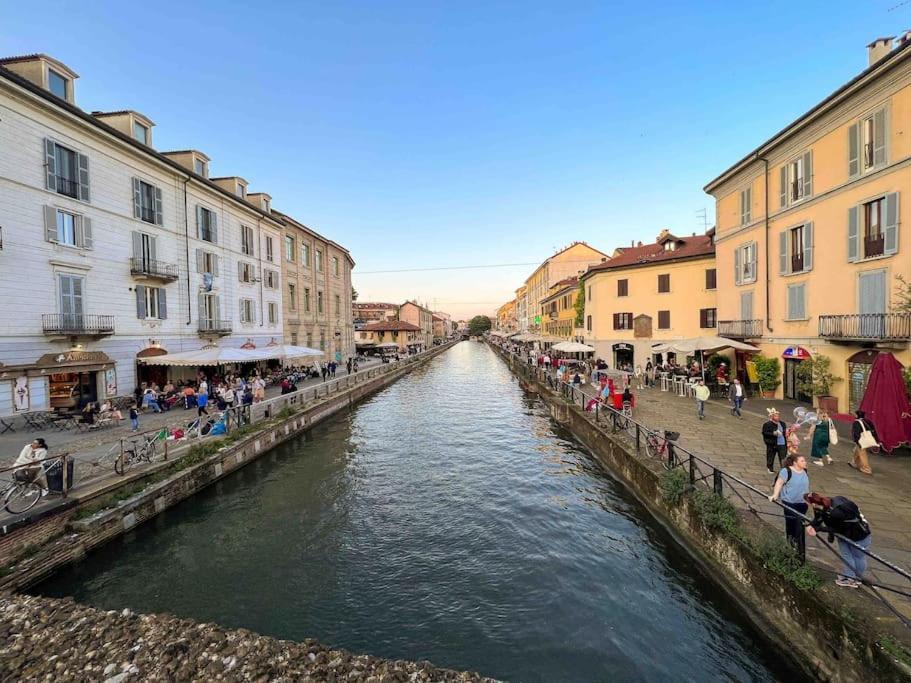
(292, 297)
(152, 295)
(269, 250)
(623, 321)
(746, 306)
(867, 143)
(746, 205)
(207, 262)
(322, 340)
(796, 179)
(147, 202)
(270, 278)
(141, 132)
(338, 305)
(66, 228)
(266, 205)
(246, 240)
(319, 302)
(795, 251)
(305, 254)
(309, 340)
(711, 278)
(151, 303)
(708, 317)
(199, 166)
(622, 287)
(873, 228)
(319, 260)
(664, 320)
(66, 171)
(273, 313)
(70, 289)
(306, 299)
(289, 248)
(797, 309)
(335, 270)
(206, 225)
(246, 272)
(294, 339)
(670, 245)
(240, 190)
(745, 264)
(664, 283)
(57, 84)
(247, 311)
(588, 323)
(589, 292)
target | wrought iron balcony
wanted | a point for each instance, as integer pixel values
(740, 329)
(866, 327)
(66, 186)
(78, 325)
(150, 268)
(211, 327)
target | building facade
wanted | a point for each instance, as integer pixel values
(405, 336)
(420, 317)
(317, 291)
(558, 309)
(442, 326)
(506, 317)
(522, 309)
(817, 272)
(648, 294)
(371, 312)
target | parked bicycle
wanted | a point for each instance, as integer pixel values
(137, 451)
(21, 494)
(661, 447)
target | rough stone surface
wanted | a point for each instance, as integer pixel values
(44, 639)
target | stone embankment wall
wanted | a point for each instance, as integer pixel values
(830, 635)
(58, 640)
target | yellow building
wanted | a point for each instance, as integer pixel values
(404, 335)
(506, 316)
(521, 309)
(648, 294)
(816, 272)
(421, 317)
(558, 309)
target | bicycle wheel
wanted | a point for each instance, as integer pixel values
(122, 465)
(631, 427)
(21, 497)
(652, 447)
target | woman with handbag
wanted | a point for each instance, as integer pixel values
(821, 438)
(864, 434)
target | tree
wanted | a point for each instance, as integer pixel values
(353, 294)
(814, 376)
(478, 325)
(580, 305)
(903, 294)
(768, 371)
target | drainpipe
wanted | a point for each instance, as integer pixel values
(186, 235)
(259, 252)
(768, 281)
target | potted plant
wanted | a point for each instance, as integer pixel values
(768, 372)
(814, 377)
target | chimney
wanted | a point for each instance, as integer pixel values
(878, 49)
(905, 37)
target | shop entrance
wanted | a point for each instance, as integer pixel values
(793, 356)
(859, 367)
(623, 355)
(73, 389)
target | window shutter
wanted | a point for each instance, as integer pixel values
(159, 214)
(84, 237)
(752, 253)
(746, 306)
(749, 204)
(153, 248)
(801, 300)
(738, 271)
(240, 271)
(879, 137)
(783, 252)
(198, 222)
(83, 174)
(808, 246)
(141, 302)
(200, 261)
(853, 239)
(890, 231)
(137, 198)
(217, 305)
(201, 304)
(808, 174)
(162, 303)
(50, 223)
(215, 261)
(783, 187)
(853, 150)
(616, 321)
(50, 164)
(242, 311)
(702, 317)
(137, 245)
(214, 228)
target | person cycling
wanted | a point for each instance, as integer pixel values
(29, 465)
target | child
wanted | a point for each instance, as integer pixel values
(793, 439)
(134, 417)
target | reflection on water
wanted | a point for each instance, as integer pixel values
(446, 518)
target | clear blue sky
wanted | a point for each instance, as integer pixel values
(427, 133)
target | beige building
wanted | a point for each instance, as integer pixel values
(404, 335)
(442, 326)
(421, 317)
(317, 291)
(373, 311)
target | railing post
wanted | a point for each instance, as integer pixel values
(802, 543)
(717, 482)
(66, 479)
(692, 470)
(120, 457)
(638, 437)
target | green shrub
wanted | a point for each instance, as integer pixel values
(780, 557)
(716, 512)
(768, 372)
(673, 484)
(895, 650)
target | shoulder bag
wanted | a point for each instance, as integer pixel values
(833, 433)
(866, 439)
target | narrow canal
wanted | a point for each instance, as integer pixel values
(446, 518)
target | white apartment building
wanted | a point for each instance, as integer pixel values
(111, 251)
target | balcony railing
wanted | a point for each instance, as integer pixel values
(797, 263)
(147, 213)
(874, 246)
(153, 269)
(211, 326)
(740, 329)
(866, 327)
(77, 324)
(68, 187)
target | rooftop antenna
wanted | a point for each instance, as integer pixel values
(703, 214)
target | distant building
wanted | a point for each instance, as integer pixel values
(412, 312)
(506, 317)
(370, 312)
(559, 309)
(404, 335)
(442, 326)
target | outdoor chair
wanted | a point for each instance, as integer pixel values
(6, 425)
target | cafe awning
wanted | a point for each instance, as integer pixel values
(573, 347)
(211, 355)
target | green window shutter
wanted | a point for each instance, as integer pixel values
(808, 246)
(853, 150)
(879, 137)
(162, 303)
(783, 187)
(83, 175)
(84, 230)
(141, 302)
(159, 214)
(50, 223)
(783, 252)
(137, 198)
(808, 174)
(198, 222)
(853, 237)
(137, 245)
(890, 231)
(50, 165)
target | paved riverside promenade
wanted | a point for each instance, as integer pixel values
(735, 445)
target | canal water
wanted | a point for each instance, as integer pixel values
(446, 518)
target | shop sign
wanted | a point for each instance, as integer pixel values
(796, 353)
(87, 357)
(20, 394)
(537, 320)
(110, 382)
(623, 347)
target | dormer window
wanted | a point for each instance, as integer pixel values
(670, 245)
(199, 166)
(141, 132)
(241, 190)
(266, 204)
(57, 83)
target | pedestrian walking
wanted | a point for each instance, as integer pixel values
(134, 417)
(773, 435)
(649, 374)
(702, 394)
(348, 365)
(839, 515)
(736, 396)
(202, 400)
(639, 378)
(792, 484)
(819, 439)
(546, 362)
(865, 439)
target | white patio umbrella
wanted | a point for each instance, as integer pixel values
(572, 347)
(703, 344)
(284, 351)
(210, 355)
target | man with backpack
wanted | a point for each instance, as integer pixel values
(839, 515)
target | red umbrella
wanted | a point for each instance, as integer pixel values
(885, 402)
